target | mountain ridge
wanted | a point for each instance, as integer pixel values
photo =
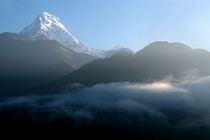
(28, 63)
(148, 65)
(47, 26)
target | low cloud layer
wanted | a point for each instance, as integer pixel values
(133, 106)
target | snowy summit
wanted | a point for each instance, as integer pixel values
(47, 26)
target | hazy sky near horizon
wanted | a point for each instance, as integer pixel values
(106, 23)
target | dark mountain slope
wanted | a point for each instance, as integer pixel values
(155, 62)
(25, 63)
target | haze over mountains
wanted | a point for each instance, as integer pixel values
(49, 80)
(32, 58)
(171, 62)
(25, 63)
(43, 51)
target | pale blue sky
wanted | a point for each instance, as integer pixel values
(106, 23)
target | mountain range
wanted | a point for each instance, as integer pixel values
(47, 26)
(45, 57)
(159, 61)
(42, 52)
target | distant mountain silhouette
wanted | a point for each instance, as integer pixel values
(25, 63)
(154, 62)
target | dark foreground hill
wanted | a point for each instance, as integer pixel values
(25, 63)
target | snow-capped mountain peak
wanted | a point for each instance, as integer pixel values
(47, 26)
(48, 20)
(119, 49)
